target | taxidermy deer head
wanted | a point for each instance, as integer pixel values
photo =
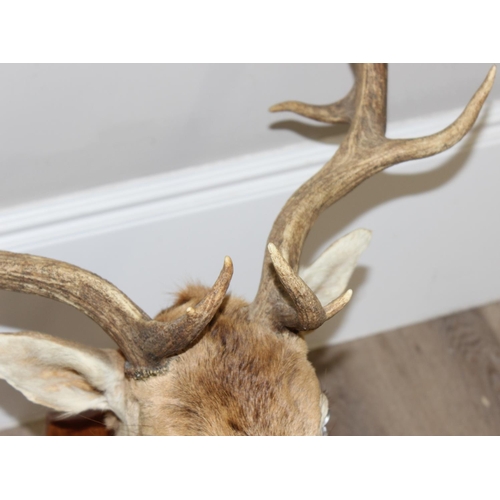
(213, 364)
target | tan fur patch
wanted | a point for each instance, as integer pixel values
(241, 378)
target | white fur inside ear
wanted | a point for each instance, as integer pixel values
(328, 276)
(61, 375)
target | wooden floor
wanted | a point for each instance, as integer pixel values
(441, 377)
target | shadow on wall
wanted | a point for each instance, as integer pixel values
(326, 134)
(28, 312)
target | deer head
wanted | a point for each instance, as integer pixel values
(212, 363)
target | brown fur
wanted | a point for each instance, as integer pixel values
(239, 379)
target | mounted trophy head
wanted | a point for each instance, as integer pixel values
(213, 364)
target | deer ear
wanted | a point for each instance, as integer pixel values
(62, 375)
(328, 276)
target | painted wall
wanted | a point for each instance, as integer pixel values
(69, 127)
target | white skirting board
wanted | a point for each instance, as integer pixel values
(435, 246)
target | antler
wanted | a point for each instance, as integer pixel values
(364, 152)
(145, 343)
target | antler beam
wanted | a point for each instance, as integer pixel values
(364, 152)
(145, 343)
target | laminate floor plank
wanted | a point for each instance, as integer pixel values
(441, 377)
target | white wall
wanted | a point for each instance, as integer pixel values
(434, 249)
(67, 127)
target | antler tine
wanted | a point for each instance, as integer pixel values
(338, 112)
(364, 152)
(355, 106)
(308, 313)
(421, 147)
(182, 332)
(145, 343)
